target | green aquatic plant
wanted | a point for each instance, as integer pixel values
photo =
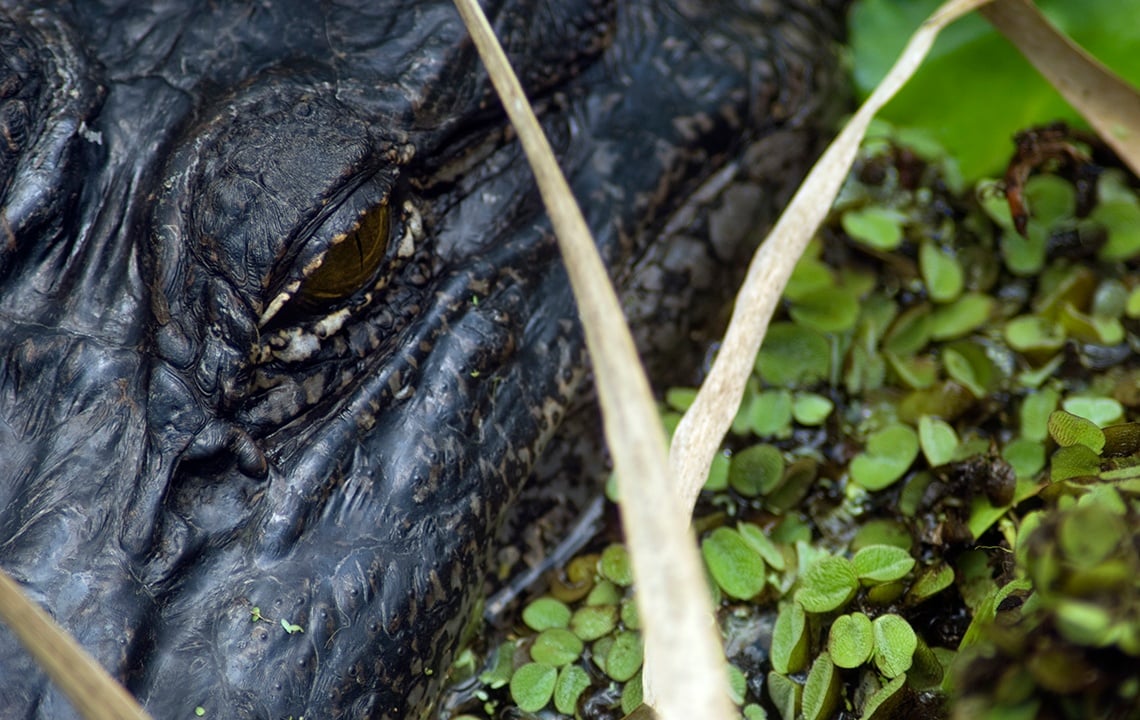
(929, 502)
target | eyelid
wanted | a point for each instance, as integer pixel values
(352, 260)
(313, 247)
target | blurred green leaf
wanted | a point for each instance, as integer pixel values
(546, 613)
(735, 565)
(756, 470)
(811, 409)
(625, 656)
(572, 682)
(532, 686)
(556, 647)
(771, 414)
(1098, 410)
(874, 226)
(1122, 221)
(938, 440)
(594, 621)
(941, 273)
(614, 565)
(973, 74)
(793, 356)
(889, 453)
(1067, 430)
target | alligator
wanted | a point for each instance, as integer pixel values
(283, 327)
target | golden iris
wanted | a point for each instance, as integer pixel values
(350, 263)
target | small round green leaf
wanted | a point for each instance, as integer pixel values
(821, 690)
(1034, 334)
(941, 273)
(614, 565)
(604, 593)
(850, 640)
(916, 372)
(631, 694)
(930, 581)
(735, 565)
(961, 317)
(889, 454)
(532, 686)
(625, 656)
(755, 537)
(959, 369)
(545, 613)
(910, 332)
(770, 414)
(1073, 462)
(556, 647)
(500, 672)
(882, 531)
(811, 409)
(828, 584)
(829, 310)
(737, 684)
(756, 470)
(809, 275)
(799, 478)
(1132, 307)
(629, 615)
(789, 640)
(752, 711)
(1122, 221)
(938, 440)
(1034, 413)
(1025, 456)
(1090, 533)
(785, 694)
(876, 564)
(1084, 623)
(1024, 255)
(1068, 430)
(895, 643)
(1099, 410)
(793, 356)
(594, 621)
(876, 227)
(883, 702)
(680, 398)
(572, 682)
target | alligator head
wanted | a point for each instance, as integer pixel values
(283, 329)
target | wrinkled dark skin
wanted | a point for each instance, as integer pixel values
(178, 442)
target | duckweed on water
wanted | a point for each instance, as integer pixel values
(930, 504)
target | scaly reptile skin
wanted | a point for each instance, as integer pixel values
(197, 419)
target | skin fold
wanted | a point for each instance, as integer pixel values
(283, 328)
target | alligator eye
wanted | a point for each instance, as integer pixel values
(350, 263)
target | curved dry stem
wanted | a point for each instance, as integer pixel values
(93, 692)
(672, 599)
(702, 429)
